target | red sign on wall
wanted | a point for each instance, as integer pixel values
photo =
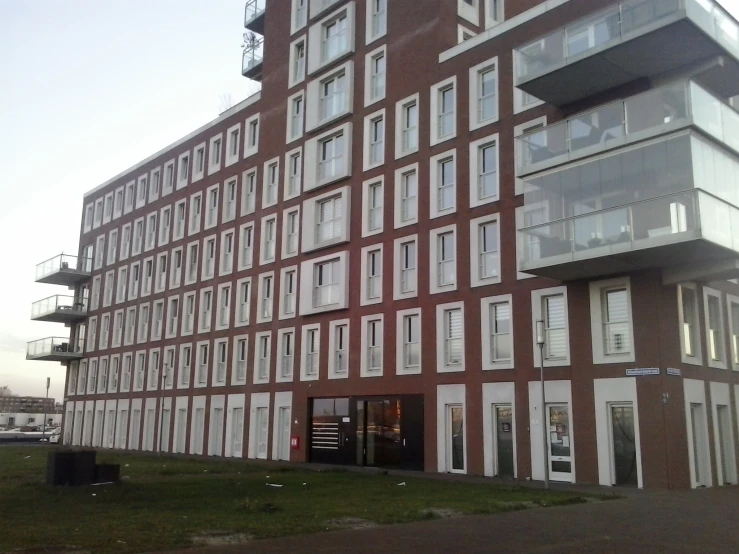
(294, 443)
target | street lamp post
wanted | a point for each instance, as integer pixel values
(48, 382)
(541, 340)
(161, 408)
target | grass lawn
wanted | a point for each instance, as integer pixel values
(164, 502)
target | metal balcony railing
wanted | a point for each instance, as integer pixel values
(58, 303)
(253, 10)
(54, 346)
(63, 263)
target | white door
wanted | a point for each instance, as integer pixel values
(149, 437)
(559, 441)
(99, 428)
(197, 448)
(111, 428)
(164, 437)
(700, 454)
(726, 445)
(237, 432)
(88, 428)
(283, 430)
(181, 435)
(216, 439)
(455, 438)
(262, 428)
(122, 429)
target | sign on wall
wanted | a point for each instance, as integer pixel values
(636, 372)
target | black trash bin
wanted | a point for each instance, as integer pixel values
(59, 467)
(107, 473)
(84, 468)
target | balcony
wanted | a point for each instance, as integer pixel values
(254, 16)
(612, 126)
(59, 309)
(631, 40)
(54, 349)
(251, 62)
(64, 270)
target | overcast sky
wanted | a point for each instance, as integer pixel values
(87, 89)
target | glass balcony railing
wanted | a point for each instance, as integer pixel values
(58, 303)
(612, 125)
(63, 262)
(619, 23)
(251, 59)
(54, 346)
(673, 218)
(252, 10)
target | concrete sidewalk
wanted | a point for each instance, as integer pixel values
(702, 521)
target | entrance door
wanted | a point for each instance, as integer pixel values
(698, 424)
(503, 440)
(378, 433)
(624, 469)
(726, 447)
(164, 432)
(455, 438)
(283, 433)
(181, 434)
(262, 430)
(332, 431)
(216, 438)
(150, 421)
(237, 432)
(560, 451)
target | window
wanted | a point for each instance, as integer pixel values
(108, 208)
(375, 76)
(286, 348)
(175, 278)
(262, 357)
(372, 329)
(251, 144)
(406, 124)
(125, 241)
(333, 99)
(333, 153)
(114, 368)
(89, 209)
(173, 312)
(484, 94)
(233, 138)
(185, 363)
(117, 204)
(120, 295)
(371, 292)
(550, 306)
(443, 177)
(216, 152)
(138, 236)
(147, 277)
(443, 111)
(293, 173)
(296, 107)
(299, 15)
(179, 220)
(209, 258)
(126, 377)
(161, 280)
(139, 371)
(153, 380)
(443, 264)
(202, 364)
(188, 313)
(112, 246)
(493, 12)
(497, 328)
(158, 320)
(168, 185)
(239, 371)
(372, 209)
(408, 349)
(246, 246)
(610, 313)
(183, 169)
(108, 289)
(376, 19)
(248, 192)
(99, 251)
(117, 329)
(155, 182)
(269, 234)
(715, 340)
(142, 191)
(271, 182)
(242, 307)
(221, 348)
(224, 306)
(206, 309)
(211, 210)
(199, 168)
(374, 140)
(229, 200)
(334, 38)
(338, 349)
(405, 277)
(297, 62)
(165, 221)
(326, 284)
(129, 197)
(288, 288)
(331, 161)
(98, 219)
(151, 232)
(484, 164)
(266, 292)
(191, 273)
(227, 253)
(290, 232)
(689, 324)
(310, 345)
(329, 97)
(450, 337)
(104, 331)
(485, 251)
(406, 196)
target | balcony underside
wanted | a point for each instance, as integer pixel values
(256, 24)
(55, 356)
(649, 55)
(66, 277)
(686, 249)
(254, 72)
(61, 315)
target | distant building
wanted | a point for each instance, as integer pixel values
(20, 411)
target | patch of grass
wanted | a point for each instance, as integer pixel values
(162, 503)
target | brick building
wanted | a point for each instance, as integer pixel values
(367, 262)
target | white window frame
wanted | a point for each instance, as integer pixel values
(309, 356)
(297, 77)
(191, 266)
(375, 250)
(248, 198)
(118, 200)
(372, 160)
(721, 339)
(442, 366)
(188, 314)
(312, 174)
(295, 127)
(223, 307)
(195, 214)
(161, 272)
(486, 332)
(108, 208)
(168, 178)
(371, 95)
(129, 197)
(283, 308)
(238, 320)
(697, 357)
(202, 368)
(435, 164)
(365, 370)
(341, 101)
(165, 215)
(230, 195)
(285, 362)
(142, 190)
(246, 260)
(597, 321)
(310, 215)
(398, 293)
(183, 169)
(266, 308)
(251, 148)
(112, 246)
(476, 278)
(333, 349)
(269, 186)
(400, 175)
(180, 205)
(317, 57)
(306, 298)
(226, 254)
(220, 356)
(434, 245)
(268, 248)
(211, 201)
(213, 145)
(157, 327)
(172, 317)
(476, 150)
(288, 250)
(259, 355)
(401, 368)
(293, 178)
(237, 342)
(368, 207)
(205, 316)
(184, 371)
(400, 130)
(476, 72)
(537, 297)
(208, 269)
(233, 147)
(199, 162)
(375, 31)
(435, 113)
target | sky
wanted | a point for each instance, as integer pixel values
(87, 89)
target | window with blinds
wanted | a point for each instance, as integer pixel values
(616, 324)
(408, 267)
(488, 246)
(326, 290)
(411, 342)
(500, 332)
(374, 345)
(374, 274)
(286, 361)
(341, 357)
(446, 259)
(453, 347)
(553, 311)
(311, 352)
(329, 219)
(221, 366)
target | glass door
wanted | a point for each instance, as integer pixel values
(378, 433)
(726, 447)
(700, 467)
(624, 470)
(262, 429)
(237, 432)
(283, 433)
(503, 440)
(560, 451)
(455, 438)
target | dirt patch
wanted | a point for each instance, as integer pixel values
(56, 549)
(351, 523)
(442, 513)
(220, 538)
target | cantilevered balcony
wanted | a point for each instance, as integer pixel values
(64, 270)
(254, 15)
(59, 309)
(54, 349)
(647, 182)
(251, 62)
(630, 40)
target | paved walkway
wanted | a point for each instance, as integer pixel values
(703, 521)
